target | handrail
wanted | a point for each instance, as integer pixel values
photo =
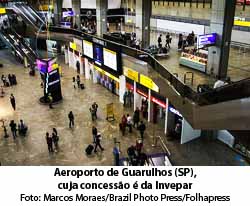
(179, 86)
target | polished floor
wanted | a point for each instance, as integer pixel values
(32, 150)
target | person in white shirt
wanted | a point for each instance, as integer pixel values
(129, 122)
(220, 83)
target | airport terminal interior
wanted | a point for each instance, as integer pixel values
(125, 82)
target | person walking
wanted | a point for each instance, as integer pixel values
(55, 138)
(98, 142)
(49, 142)
(13, 101)
(168, 40)
(71, 119)
(136, 117)
(142, 129)
(95, 108)
(13, 128)
(94, 133)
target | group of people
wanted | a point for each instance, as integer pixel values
(166, 48)
(189, 41)
(21, 128)
(127, 98)
(128, 121)
(52, 140)
(10, 80)
(76, 81)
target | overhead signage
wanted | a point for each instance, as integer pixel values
(106, 73)
(239, 21)
(2, 11)
(110, 59)
(173, 110)
(206, 40)
(72, 45)
(131, 74)
(149, 83)
(98, 41)
(157, 101)
(88, 49)
(68, 13)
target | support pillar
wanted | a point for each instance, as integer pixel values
(143, 15)
(222, 19)
(57, 6)
(149, 105)
(101, 16)
(76, 6)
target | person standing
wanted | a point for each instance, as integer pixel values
(13, 128)
(160, 41)
(74, 82)
(142, 129)
(123, 124)
(71, 119)
(136, 117)
(98, 142)
(55, 138)
(78, 80)
(49, 142)
(129, 123)
(13, 101)
(95, 107)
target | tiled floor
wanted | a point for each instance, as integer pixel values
(32, 150)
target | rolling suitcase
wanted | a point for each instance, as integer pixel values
(82, 86)
(89, 149)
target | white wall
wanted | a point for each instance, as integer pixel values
(174, 26)
(188, 133)
(87, 69)
(122, 87)
(67, 4)
(241, 36)
(114, 4)
(88, 4)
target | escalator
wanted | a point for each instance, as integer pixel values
(29, 15)
(20, 47)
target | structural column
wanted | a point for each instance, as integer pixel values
(57, 7)
(101, 16)
(143, 15)
(222, 19)
(76, 6)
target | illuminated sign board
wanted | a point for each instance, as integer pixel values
(173, 110)
(88, 49)
(110, 59)
(2, 11)
(131, 74)
(149, 83)
(68, 13)
(72, 45)
(206, 40)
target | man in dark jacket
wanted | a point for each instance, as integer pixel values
(142, 129)
(13, 128)
(136, 117)
(13, 101)
(71, 119)
(94, 133)
(98, 142)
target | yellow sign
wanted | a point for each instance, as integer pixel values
(242, 23)
(2, 11)
(106, 73)
(149, 83)
(72, 45)
(131, 74)
(55, 66)
(110, 112)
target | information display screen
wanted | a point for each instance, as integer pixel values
(110, 59)
(98, 54)
(88, 49)
(206, 40)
